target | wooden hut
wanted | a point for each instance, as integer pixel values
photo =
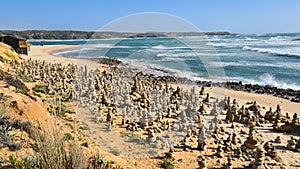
(19, 44)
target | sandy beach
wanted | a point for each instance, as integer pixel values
(44, 53)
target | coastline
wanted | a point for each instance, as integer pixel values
(266, 100)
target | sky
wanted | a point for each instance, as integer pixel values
(236, 16)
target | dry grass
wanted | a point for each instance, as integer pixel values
(54, 152)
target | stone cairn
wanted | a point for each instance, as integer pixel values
(202, 162)
(293, 144)
(249, 146)
(259, 158)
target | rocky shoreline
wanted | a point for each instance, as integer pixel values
(289, 94)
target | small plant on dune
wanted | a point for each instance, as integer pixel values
(20, 91)
(6, 134)
(57, 108)
(167, 164)
(28, 162)
(5, 130)
(98, 162)
(7, 127)
(41, 89)
(37, 94)
(26, 79)
(68, 136)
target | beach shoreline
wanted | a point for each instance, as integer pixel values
(46, 53)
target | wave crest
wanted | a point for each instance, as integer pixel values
(294, 52)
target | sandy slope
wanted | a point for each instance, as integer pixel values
(7, 52)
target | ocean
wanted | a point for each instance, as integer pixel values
(264, 59)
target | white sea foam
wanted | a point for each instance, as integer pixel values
(107, 45)
(279, 38)
(189, 54)
(170, 47)
(219, 44)
(288, 51)
(285, 65)
(250, 39)
(269, 79)
(66, 51)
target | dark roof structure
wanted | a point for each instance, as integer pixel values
(19, 44)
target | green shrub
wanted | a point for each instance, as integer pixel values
(59, 109)
(37, 94)
(29, 162)
(26, 79)
(99, 162)
(68, 136)
(167, 164)
(41, 89)
(20, 91)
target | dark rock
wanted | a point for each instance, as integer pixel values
(85, 144)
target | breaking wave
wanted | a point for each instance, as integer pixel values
(270, 79)
(295, 52)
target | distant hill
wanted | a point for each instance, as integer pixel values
(66, 34)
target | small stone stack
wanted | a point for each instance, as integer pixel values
(202, 140)
(202, 162)
(251, 142)
(293, 144)
(259, 158)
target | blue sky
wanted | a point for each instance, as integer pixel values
(238, 16)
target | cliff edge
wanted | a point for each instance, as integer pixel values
(8, 53)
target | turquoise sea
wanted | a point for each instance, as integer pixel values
(264, 59)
